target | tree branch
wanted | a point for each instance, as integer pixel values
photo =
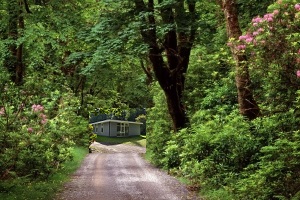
(27, 7)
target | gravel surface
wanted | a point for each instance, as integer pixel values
(119, 172)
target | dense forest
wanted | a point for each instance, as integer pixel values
(219, 79)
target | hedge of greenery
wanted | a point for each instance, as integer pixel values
(37, 131)
(223, 154)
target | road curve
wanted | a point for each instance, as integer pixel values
(118, 172)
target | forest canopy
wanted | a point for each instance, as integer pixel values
(219, 80)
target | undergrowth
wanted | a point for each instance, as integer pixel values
(25, 189)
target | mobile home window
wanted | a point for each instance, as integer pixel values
(122, 129)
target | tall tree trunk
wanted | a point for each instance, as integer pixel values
(247, 104)
(176, 45)
(14, 62)
(20, 65)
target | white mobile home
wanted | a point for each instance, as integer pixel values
(117, 128)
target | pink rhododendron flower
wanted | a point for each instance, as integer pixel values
(37, 108)
(269, 17)
(297, 7)
(30, 130)
(260, 30)
(298, 73)
(247, 37)
(257, 20)
(276, 12)
(255, 33)
(243, 37)
(43, 116)
(248, 40)
(241, 47)
(44, 121)
(2, 111)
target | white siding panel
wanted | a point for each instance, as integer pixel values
(105, 129)
(134, 129)
(113, 129)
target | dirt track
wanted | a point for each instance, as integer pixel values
(118, 172)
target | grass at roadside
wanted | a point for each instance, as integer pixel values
(135, 140)
(22, 189)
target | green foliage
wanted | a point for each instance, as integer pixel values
(112, 60)
(277, 174)
(84, 55)
(173, 150)
(38, 123)
(238, 158)
(212, 194)
(158, 127)
(36, 138)
(215, 86)
(218, 150)
(249, 9)
(25, 189)
(273, 55)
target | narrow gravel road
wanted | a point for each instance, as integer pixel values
(118, 172)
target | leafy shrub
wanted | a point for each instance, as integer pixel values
(158, 127)
(278, 172)
(222, 151)
(36, 138)
(274, 173)
(173, 150)
(218, 150)
(233, 155)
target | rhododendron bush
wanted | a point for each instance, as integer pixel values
(272, 46)
(36, 131)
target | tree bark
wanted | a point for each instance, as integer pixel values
(14, 62)
(176, 45)
(247, 104)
